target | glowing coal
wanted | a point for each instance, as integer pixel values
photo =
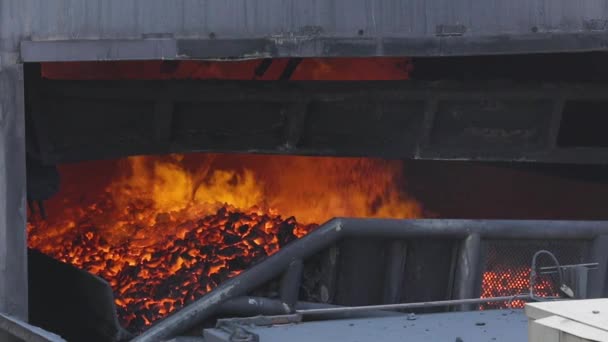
(166, 230)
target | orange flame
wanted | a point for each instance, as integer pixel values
(165, 230)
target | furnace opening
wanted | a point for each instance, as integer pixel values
(115, 189)
(164, 230)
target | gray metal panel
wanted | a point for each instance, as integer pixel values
(122, 19)
(13, 258)
(468, 270)
(497, 325)
(13, 252)
(306, 46)
(25, 331)
(597, 278)
(314, 27)
(87, 310)
(13, 264)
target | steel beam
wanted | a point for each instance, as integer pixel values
(410, 306)
(290, 283)
(135, 30)
(598, 278)
(393, 275)
(478, 134)
(299, 93)
(468, 270)
(13, 243)
(131, 30)
(307, 46)
(13, 251)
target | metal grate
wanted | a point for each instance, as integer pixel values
(507, 266)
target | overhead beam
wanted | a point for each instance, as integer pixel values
(301, 91)
(401, 119)
(309, 44)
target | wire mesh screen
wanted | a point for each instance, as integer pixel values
(507, 266)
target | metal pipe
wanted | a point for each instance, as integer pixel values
(488, 229)
(590, 265)
(252, 278)
(290, 283)
(344, 315)
(253, 306)
(553, 269)
(393, 275)
(329, 274)
(407, 306)
(336, 229)
(468, 270)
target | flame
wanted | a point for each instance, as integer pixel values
(165, 230)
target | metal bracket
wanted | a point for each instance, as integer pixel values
(261, 321)
(575, 276)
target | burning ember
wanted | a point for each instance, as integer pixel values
(512, 282)
(151, 281)
(163, 231)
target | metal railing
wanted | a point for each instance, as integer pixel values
(469, 232)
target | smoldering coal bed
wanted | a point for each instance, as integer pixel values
(153, 281)
(164, 230)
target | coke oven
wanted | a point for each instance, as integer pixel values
(191, 165)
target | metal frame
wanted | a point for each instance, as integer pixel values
(13, 240)
(307, 45)
(13, 252)
(335, 230)
(63, 30)
(427, 104)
